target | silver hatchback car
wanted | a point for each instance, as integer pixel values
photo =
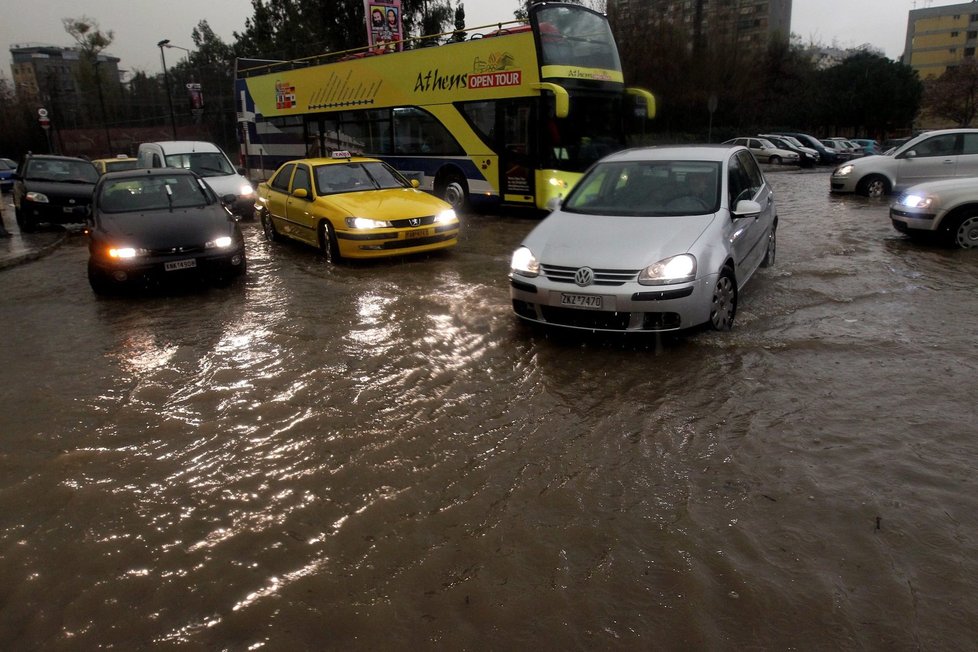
(652, 239)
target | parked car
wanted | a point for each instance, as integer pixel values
(116, 164)
(868, 145)
(6, 176)
(153, 226)
(807, 157)
(353, 207)
(209, 161)
(890, 144)
(947, 209)
(765, 151)
(941, 154)
(52, 189)
(650, 239)
(826, 156)
(842, 151)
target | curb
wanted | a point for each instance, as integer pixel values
(32, 253)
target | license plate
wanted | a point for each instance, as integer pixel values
(580, 301)
(180, 264)
(68, 209)
(420, 233)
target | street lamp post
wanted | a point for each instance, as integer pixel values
(166, 80)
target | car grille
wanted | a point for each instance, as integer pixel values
(173, 251)
(613, 277)
(617, 321)
(406, 224)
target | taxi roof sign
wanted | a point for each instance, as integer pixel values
(342, 154)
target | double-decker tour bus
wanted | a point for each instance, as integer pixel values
(513, 115)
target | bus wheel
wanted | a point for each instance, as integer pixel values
(455, 191)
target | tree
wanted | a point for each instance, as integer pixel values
(954, 95)
(91, 42)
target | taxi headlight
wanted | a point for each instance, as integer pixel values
(677, 269)
(366, 223)
(524, 263)
(446, 217)
(38, 197)
(917, 201)
(843, 170)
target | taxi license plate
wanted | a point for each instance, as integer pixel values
(180, 264)
(420, 233)
(580, 301)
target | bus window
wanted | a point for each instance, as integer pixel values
(570, 37)
(482, 117)
(418, 132)
(366, 131)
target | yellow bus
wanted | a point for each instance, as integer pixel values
(513, 114)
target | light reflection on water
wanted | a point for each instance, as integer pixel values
(371, 453)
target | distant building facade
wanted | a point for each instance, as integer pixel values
(46, 74)
(751, 23)
(939, 38)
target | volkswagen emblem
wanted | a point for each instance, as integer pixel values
(415, 221)
(584, 276)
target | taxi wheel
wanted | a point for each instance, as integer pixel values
(724, 306)
(268, 228)
(327, 242)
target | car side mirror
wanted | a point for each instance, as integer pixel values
(300, 193)
(911, 154)
(242, 171)
(747, 208)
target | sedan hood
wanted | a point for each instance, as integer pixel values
(78, 190)
(391, 204)
(575, 240)
(161, 228)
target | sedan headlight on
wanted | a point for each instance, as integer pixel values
(917, 201)
(223, 242)
(246, 190)
(524, 263)
(365, 223)
(843, 171)
(446, 217)
(38, 197)
(677, 269)
(125, 253)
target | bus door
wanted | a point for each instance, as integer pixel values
(517, 151)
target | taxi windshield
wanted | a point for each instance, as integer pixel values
(356, 177)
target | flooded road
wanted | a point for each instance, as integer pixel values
(380, 456)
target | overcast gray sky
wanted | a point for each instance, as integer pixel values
(140, 24)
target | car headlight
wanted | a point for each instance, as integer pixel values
(524, 263)
(677, 269)
(446, 217)
(38, 197)
(365, 223)
(223, 242)
(843, 170)
(124, 253)
(246, 190)
(917, 201)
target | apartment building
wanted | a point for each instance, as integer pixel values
(941, 37)
(44, 73)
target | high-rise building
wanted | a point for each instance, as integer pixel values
(45, 74)
(939, 38)
(751, 23)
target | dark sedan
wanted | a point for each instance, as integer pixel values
(52, 190)
(158, 225)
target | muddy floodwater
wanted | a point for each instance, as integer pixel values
(380, 457)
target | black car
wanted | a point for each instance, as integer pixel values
(805, 159)
(157, 225)
(53, 190)
(826, 155)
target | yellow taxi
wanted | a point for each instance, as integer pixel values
(120, 162)
(353, 207)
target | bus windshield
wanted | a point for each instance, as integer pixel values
(572, 37)
(588, 133)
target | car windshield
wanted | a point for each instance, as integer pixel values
(152, 193)
(206, 164)
(356, 177)
(61, 170)
(653, 188)
(4, 166)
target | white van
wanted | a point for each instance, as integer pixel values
(207, 160)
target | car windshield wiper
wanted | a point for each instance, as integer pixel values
(217, 170)
(78, 181)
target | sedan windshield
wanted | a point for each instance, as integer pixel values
(151, 193)
(653, 188)
(356, 177)
(61, 170)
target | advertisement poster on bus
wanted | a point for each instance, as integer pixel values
(384, 24)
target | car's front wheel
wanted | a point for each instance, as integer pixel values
(327, 242)
(963, 232)
(775, 160)
(874, 186)
(724, 305)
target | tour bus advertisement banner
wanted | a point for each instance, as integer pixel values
(481, 69)
(383, 24)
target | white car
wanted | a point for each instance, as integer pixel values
(942, 154)
(765, 151)
(650, 239)
(946, 209)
